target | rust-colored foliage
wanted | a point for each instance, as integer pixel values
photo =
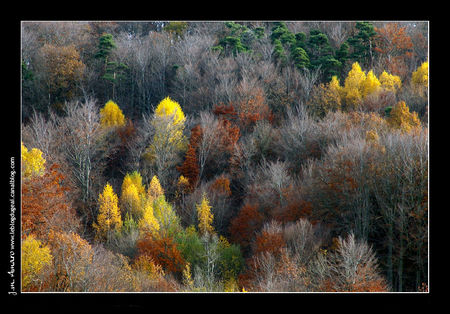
(360, 284)
(232, 134)
(190, 168)
(254, 108)
(225, 112)
(126, 132)
(340, 179)
(163, 251)
(294, 210)
(45, 205)
(228, 130)
(393, 42)
(245, 224)
(63, 68)
(376, 285)
(196, 136)
(229, 135)
(269, 242)
(222, 185)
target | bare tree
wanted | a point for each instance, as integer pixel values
(85, 150)
(307, 81)
(354, 267)
(303, 240)
(42, 133)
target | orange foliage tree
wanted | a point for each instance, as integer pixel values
(270, 242)
(222, 185)
(395, 47)
(252, 108)
(163, 251)
(229, 131)
(245, 224)
(45, 205)
(190, 168)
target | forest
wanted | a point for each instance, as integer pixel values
(224, 156)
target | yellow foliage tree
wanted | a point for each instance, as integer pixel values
(168, 140)
(35, 258)
(133, 195)
(326, 97)
(130, 202)
(335, 87)
(419, 78)
(136, 179)
(168, 107)
(111, 115)
(32, 162)
(372, 136)
(205, 217)
(400, 118)
(187, 276)
(147, 265)
(390, 82)
(183, 186)
(148, 223)
(353, 86)
(166, 217)
(370, 85)
(170, 131)
(108, 219)
(154, 190)
(183, 182)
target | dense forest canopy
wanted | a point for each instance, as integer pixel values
(246, 156)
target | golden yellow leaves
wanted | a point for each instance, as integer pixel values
(358, 85)
(168, 107)
(111, 115)
(155, 190)
(205, 217)
(168, 123)
(35, 258)
(371, 84)
(400, 118)
(32, 162)
(353, 85)
(132, 198)
(109, 219)
(148, 223)
(419, 78)
(390, 82)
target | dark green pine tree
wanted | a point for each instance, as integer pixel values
(362, 44)
(105, 45)
(342, 55)
(300, 58)
(115, 72)
(279, 53)
(322, 55)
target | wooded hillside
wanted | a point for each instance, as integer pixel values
(224, 156)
